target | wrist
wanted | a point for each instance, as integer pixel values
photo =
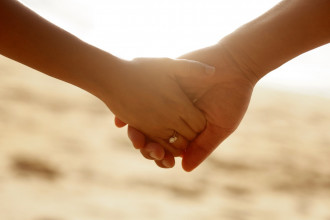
(243, 55)
(274, 38)
(239, 64)
(95, 70)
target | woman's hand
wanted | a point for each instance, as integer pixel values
(141, 92)
(144, 93)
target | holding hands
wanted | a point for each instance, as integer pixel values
(225, 99)
(145, 94)
(177, 107)
(241, 59)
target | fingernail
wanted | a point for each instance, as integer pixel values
(166, 164)
(154, 156)
(209, 70)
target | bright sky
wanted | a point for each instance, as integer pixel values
(133, 28)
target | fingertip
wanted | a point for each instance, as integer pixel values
(167, 162)
(119, 123)
(209, 70)
(202, 147)
(187, 169)
(136, 137)
(155, 151)
(191, 159)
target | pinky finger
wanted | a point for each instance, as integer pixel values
(153, 151)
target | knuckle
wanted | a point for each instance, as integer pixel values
(164, 134)
(191, 136)
(201, 123)
(197, 121)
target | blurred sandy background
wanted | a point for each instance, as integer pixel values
(61, 158)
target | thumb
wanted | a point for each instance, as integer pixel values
(119, 123)
(193, 68)
(194, 77)
(200, 148)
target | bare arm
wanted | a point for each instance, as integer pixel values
(29, 39)
(284, 32)
(241, 59)
(142, 92)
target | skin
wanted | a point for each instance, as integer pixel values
(231, 86)
(143, 92)
(241, 60)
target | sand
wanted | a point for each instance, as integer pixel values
(61, 158)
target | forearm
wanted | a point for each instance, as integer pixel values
(29, 39)
(286, 31)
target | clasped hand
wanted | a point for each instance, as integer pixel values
(145, 94)
(223, 99)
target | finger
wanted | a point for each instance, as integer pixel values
(194, 118)
(183, 128)
(174, 151)
(167, 162)
(179, 142)
(137, 138)
(119, 123)
(195, 78)
(153, 151)
(203, 146)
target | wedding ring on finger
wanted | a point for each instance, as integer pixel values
(173, 139)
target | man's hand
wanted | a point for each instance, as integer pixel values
(224, 104)
(245, 56)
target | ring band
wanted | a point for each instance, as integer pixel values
(173, 139)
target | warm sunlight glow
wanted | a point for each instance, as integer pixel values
(130, 28)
